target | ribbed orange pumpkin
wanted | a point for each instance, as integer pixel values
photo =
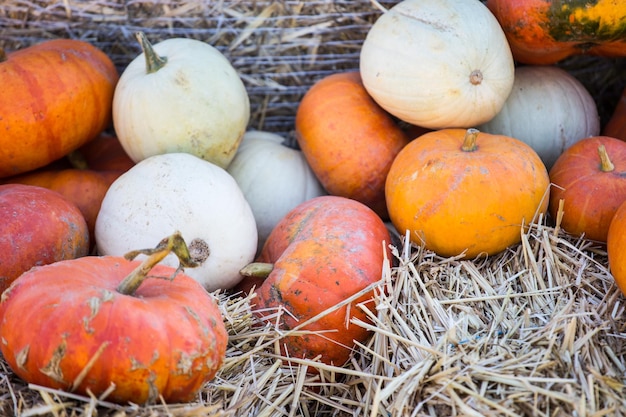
(616, 126)
(56, 96)
(465, 192)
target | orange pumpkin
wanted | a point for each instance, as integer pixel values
(544, 32)
(466, 192)
(616, 126)
(324, 251)
(616, 247)
(56, 96)
(590, 179)
(96, 325)
(85, 188)
(348, 140)
(38, 227)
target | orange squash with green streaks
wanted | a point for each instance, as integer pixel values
(544, 32)
(56, 96)
(323, 251)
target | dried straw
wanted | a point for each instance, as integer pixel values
(536, 330)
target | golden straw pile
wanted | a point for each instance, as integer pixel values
(537, 330)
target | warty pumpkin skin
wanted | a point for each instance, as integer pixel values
(56, 96)
(591, 181)
(465, 192)
(544, 32)
(348, 140)
(38, 227)
(323, 251)
(84, 333)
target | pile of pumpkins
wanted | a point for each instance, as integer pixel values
(457, 130)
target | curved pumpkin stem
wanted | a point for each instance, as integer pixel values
(154, 62)
(469, 142)
(257, 269)
(605, 162)
(173, 244)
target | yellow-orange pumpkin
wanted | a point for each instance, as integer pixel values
(466, 192)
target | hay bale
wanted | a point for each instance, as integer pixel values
(535, 330)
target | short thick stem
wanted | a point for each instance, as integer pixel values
(173, 244)
(605, 162)
(154, 62)
(469, 142)
(3, 55)
(257, 269)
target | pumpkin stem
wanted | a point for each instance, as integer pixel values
(605, 162)
(469, 142)
(3, 54)
(172, 244)
(154, 62)
(257, 269)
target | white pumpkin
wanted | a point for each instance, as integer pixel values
(273, 177)
(438, 63)
(548, 109)
(192, 101)
(179, 191)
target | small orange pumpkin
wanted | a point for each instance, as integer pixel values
(590, 179)
(56, 96)
(348, 140)
(465, 192)
(616, 247)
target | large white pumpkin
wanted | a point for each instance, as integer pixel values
(438, 63)
(179, 191)
(195, 102)
(548, 109)
(274, 178)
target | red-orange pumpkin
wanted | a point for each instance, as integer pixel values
(348, 139)
(94, 324)
(104, 153)
(543, 32)
(590, 178)
(616, 126)
(83, 187)
(56, 96)
(323, 251)
(37, 227)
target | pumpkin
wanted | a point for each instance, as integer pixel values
(438, 63)
(97, 326)
(85, 188)
(38, 227)
(615, 247)
(323, 252)
(56, 96)
(104, 153)
(179, 191)
(180, 95)
(544, 32)
(616, 126)
(464, 192)
(274, 178)
(348, 140)
(549, 109)
(590, 179)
